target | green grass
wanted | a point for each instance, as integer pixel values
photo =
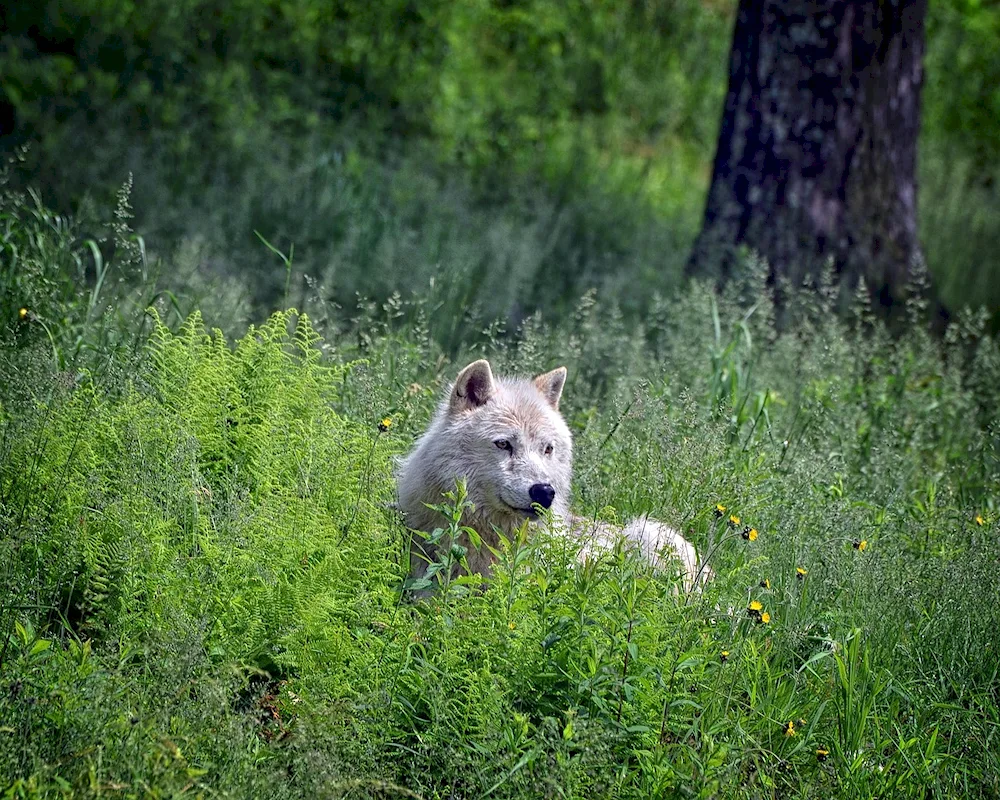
(202, 571)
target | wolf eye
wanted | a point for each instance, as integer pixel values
(548, 449)
(503, 444)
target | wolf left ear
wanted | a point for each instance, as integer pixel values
(550, 384)
(473, 387)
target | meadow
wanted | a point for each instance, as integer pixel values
(202, 570)
(244, 247)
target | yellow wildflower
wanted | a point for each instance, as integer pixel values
(821, 754)
(724, 656)
(790, 728)
(384, 424)
(734, 520)
(800, 573)
(750, 534)
(860, 545)
(22, 314)
(756, 612)
(765, 584)
(979, 517)
(719, 510)
(765, 618)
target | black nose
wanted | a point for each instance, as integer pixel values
(543, 494)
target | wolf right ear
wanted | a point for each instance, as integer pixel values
(473, 387)
(550, 384)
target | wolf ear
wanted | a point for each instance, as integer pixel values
(550, 384)
(473, 387)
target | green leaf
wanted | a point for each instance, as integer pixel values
(40, 646)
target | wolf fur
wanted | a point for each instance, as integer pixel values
(509, 442)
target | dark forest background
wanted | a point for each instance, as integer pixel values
(520, 153)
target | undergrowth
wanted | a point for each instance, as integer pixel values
(202, 568)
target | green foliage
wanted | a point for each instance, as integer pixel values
(963, 79)
(365, 231)
(74, 289)
(139, 496)
(487, 81)
(568, 143)
(959, 180)
(382, 139)
(569, 79)
(201, 576)
(56, 284)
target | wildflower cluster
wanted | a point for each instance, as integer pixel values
(749, 533)
(757, 613)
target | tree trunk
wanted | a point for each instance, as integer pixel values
(817, 153)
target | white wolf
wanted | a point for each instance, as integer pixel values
(509, 442)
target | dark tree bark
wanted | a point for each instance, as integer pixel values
(817, 153)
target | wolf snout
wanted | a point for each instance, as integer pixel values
(543, 494)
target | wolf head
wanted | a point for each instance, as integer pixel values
(505, 437)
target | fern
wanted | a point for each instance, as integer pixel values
(218, 489)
